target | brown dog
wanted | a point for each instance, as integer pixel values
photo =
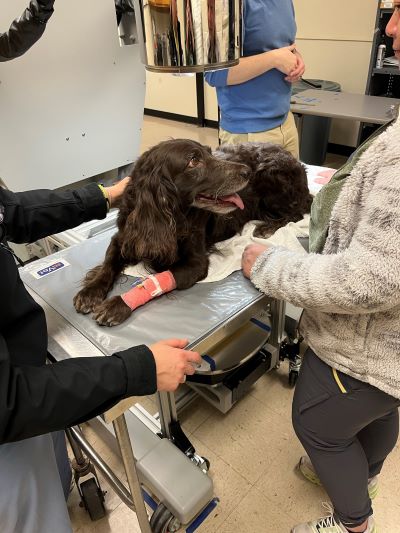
(181, 200)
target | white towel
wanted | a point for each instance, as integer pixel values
(228, 258)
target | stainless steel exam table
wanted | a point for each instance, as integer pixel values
(229, 322)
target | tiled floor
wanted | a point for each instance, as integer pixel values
(253, 450)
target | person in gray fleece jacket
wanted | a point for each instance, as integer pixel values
(345, 407)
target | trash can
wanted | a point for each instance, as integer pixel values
(314, 130)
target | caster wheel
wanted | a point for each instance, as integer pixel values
(93, 499)
(163, 521)
(293, 375)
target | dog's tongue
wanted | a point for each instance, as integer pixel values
(233, 199)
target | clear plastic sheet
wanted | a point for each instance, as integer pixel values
(191, 314)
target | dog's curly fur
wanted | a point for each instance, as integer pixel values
(181, 200)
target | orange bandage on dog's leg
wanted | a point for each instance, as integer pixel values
(150, 288)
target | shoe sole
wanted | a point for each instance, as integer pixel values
(314, 479)
(309, 475)
(375, 530)
(373, 492)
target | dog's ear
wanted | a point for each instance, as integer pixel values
(282, 182)
(150, 230)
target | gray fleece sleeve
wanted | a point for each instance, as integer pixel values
(363, 278)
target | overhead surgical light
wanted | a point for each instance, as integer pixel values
(182, 36)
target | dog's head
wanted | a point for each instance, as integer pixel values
(167, 181)
(278, 179)
(199, 179)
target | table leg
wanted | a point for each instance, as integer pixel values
(128, 458)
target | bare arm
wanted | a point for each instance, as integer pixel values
(250, 67)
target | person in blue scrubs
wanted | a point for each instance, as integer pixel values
(254, 96)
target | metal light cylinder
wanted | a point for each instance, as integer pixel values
(190, 35)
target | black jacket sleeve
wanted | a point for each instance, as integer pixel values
(26, 30)
(121, 7)
(38, 400)
(28, 216)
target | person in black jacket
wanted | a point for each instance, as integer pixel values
(37, 398)
(121, 7)
(26, 30)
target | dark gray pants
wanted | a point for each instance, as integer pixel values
(347, 435)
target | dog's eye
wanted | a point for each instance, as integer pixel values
(194, 161)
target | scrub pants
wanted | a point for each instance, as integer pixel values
(285, 135)
(31, 493)
(348, 428)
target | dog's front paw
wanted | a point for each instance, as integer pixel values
(112, 312)
(88, 299)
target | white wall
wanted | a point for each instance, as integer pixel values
(72, 106)
(335, 40)
(171, 93)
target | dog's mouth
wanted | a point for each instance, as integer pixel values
(229, 201)
(221, 201)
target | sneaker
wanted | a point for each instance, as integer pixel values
(306, 468)
(328, 524)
